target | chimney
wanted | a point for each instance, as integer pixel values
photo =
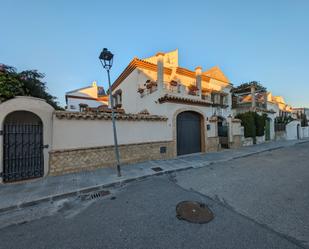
(198, 75)
(253, 104)
(160, 69)
(265, 100)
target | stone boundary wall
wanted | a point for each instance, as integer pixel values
(212, 144)
(75, 160)
(280, 135)
(237, 143)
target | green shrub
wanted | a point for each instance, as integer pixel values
(247, 121)
(260, 123)
(253, 123)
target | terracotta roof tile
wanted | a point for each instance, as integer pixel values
(188, 101)
(107, 116)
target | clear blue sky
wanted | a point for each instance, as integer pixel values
(263, 40)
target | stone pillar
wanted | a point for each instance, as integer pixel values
(253, 104)
(198, 75)
(230, 128)
(160, 70)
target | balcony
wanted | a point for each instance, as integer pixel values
(181, 90)
(176, 92)
(248, 105)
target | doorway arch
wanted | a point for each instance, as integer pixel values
(189, 134)
(22, 146)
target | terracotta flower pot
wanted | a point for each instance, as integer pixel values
(173, 83)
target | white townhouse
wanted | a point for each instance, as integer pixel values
(87, 97)
(197, 103)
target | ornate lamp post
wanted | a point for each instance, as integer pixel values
(106, 59)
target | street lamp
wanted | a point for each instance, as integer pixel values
(106, 59)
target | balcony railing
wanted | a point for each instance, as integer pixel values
(249, 105)
(181, 90)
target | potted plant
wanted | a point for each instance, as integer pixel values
(150, 84)
(192, 89)
(173, 83)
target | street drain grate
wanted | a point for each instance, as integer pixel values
(157, 169)
(99, 194)
(94, 195)
(194, 212)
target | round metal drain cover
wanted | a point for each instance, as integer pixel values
(194, 212)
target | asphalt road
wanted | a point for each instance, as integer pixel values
(271, 188)
(258, 202)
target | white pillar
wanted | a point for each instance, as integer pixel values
(230, 128)
(198, 75)
(160, 70)
(253, 96)
(265, 100)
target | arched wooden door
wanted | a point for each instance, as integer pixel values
(188, 133)
(22, 146)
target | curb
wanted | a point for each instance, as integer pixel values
(89, 189)
(81, 191)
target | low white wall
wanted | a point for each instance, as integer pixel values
(247, 141)
(213, 131)
(304, 132)
(237, 129)
(260, 140)
(70, 134)
(291, 130)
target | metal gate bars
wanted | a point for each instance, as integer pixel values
(22, 152)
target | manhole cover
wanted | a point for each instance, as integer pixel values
(194, 212)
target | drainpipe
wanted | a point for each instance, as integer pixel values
(198, 75)
(160, 70)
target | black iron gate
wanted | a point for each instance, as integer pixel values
(22, 151)
(223, 135)
(188, 133)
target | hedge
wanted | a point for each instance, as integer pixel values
(253, 123)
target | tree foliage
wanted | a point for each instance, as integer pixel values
(247, 121)
(283, 119)
(25, 83)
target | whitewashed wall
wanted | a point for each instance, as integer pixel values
(73, 103)
(304, 132)
(70, 134)
(291, 130)
(213, 129)
(132, 102)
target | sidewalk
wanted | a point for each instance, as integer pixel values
(19, 195)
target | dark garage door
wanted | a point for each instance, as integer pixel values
(188, 133)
